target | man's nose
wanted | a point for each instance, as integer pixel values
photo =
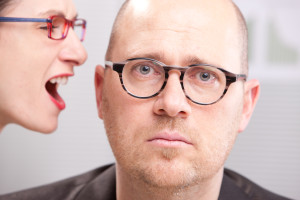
(172, 100)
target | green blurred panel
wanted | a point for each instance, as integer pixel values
(279, 52)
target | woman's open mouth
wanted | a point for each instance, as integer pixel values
(52, 86)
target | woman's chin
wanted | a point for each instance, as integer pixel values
(45, 128)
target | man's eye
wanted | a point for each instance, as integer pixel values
(205, 76)
(144, 69)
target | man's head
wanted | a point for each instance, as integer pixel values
(168, 141)
(142, 8)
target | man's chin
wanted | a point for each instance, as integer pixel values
(170, 154)
(168, 174)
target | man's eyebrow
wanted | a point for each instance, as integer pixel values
(189, 60)
(155, 56)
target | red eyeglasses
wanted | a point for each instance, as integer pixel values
(57, 26)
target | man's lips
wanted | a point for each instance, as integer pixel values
(169, 140)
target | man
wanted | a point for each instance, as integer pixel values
(173, 97)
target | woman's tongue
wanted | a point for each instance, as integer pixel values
(52, 90)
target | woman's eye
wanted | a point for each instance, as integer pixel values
(44, 27)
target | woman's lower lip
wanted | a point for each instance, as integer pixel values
(59, 103)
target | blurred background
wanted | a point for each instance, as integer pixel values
(268, 152)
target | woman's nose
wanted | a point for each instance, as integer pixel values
(73, 50)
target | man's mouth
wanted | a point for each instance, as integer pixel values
(52, 86)
(169, 140)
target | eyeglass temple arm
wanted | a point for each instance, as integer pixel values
(109, 63)
(241, 77)
(15, 19)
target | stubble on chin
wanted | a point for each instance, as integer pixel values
(163, 168)
(167, 168)
(169, 154)
(154, 167)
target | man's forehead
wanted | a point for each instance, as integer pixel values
(179, 16)
(153, 8)
(165, 33)
(161, 42)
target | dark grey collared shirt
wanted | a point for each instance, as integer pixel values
(100, 184)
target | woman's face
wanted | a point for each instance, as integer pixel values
(29, 60)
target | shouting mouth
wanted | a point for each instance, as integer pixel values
(52, 86)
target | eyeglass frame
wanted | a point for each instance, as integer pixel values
(68, 24)
(230, 77)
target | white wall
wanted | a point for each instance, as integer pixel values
(268, 152)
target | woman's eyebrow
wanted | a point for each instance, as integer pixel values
(55, 12)
(51, 12)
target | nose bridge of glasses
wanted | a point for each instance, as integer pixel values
(176, 69)
(169, 68)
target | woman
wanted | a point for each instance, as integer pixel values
(39, 49)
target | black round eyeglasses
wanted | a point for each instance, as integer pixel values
(202, 83)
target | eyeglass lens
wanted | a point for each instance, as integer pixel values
(60, 28)
(79, 28)
(201, 83)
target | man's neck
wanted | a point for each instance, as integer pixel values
(129, 189)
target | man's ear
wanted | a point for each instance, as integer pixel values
(251, 94)
(99, 80)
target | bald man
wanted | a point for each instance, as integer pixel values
(173, 95)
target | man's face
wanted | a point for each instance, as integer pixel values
(167, 140)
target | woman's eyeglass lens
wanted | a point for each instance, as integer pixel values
(59, 26)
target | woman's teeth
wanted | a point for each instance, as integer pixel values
(60, 80)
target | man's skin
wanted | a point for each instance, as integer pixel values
(181, 33)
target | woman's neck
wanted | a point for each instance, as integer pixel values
(1, 126)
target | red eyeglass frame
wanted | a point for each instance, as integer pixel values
(49, 21)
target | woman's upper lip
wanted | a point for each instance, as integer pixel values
(61, 75)
(170, 137)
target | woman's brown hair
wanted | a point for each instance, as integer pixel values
(4, 4)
